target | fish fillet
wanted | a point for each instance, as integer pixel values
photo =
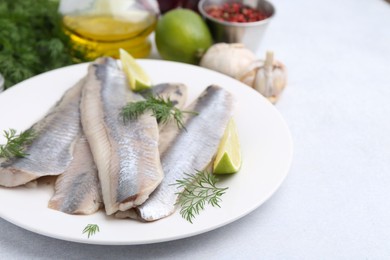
(190, 150)
(126, 155)
(176, 92)
(50, 153)
(77, 190)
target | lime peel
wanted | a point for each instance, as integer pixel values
(137, 77)
(228, 158)
(181, 34)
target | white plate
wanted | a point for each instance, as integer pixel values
(266, 150)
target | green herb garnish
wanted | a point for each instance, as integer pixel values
(199, 189)
(163, 110)
(32, 40)
(16, 143)
(91, 229)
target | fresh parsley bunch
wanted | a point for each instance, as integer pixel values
(31, 39)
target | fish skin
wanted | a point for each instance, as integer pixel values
(126, 155)
(191, 150)
(50, 153)
(177, 93)
(77, 190)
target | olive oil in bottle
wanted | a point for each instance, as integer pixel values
(104, 26)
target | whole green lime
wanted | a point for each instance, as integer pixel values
(182, 35)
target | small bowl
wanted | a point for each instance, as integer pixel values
(250, 34)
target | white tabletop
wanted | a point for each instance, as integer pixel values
(335, 202)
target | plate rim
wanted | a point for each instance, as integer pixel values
(286, 169)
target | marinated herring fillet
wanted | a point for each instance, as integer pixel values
(126, 154)
(176, 92)
(190, 150)
(51, 151)
(77, 190)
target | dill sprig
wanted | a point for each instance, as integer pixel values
(32, 40)
(162, 109)
(16, 143)
(199, 189)
(91, 229)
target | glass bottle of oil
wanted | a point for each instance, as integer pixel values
(100, 27)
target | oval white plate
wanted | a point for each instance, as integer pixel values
(266, 150)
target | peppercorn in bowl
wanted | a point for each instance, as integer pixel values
(233, 21)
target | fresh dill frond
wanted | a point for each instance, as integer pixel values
(91, 229)
(32, 40)
(16, 143)
(162, 109)
(199, 189)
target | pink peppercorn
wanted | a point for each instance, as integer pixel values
(235, 12)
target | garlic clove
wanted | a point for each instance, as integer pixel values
(249, 74)
(271, 79)
(230, 59)
(263, 81)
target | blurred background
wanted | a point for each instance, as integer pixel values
(38, 36)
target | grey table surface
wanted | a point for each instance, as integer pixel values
(335, 202)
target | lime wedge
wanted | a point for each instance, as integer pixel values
(138, 79)
(228, 158)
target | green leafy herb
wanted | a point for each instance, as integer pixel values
(32, 40)
(16, 143)
(91, 229)
(199, 189)
(162, 109)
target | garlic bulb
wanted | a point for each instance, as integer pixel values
(271, 78)
(230, 59)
